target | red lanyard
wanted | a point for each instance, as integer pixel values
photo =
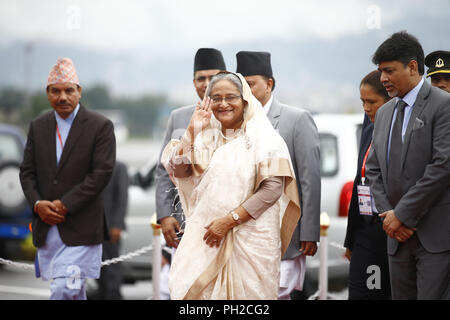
(363, 169)
(59, 137)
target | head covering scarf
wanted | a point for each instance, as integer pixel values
(62, 72)
(246, 265)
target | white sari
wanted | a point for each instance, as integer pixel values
(247, 263)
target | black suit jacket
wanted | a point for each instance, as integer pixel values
(115, 197)
(354, 218)
(85, 167)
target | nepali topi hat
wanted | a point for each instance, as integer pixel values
(252, 63)
(207, 59)
(62, 72)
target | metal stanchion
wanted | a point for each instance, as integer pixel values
(323, 270)
(156, 263)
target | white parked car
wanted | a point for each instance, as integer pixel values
(339, 142)
(140, 157)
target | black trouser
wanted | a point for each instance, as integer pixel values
(110, 276)
(369, 267)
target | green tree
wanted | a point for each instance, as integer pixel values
(97, 97)
(142, 113)
(11, 101)
(39, 105)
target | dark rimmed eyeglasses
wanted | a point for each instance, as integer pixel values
(228, 99)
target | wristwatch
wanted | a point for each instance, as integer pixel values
(236, 217)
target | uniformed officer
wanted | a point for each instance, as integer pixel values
(438, 63)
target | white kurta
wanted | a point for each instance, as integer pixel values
(56, 260)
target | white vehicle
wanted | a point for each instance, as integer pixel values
(140, 157)
(339, 142)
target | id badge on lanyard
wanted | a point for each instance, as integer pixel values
(364, 195)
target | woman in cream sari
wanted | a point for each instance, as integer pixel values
(239, 195)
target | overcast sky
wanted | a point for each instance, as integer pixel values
(181, 24)
(145, 38)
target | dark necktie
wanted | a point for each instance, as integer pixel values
(395, 153)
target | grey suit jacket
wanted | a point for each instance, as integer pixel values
(299, 131)
(425, 168)
(166, 202)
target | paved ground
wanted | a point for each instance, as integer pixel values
(20, 284)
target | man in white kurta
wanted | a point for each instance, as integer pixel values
(68, 161)
(67, 266)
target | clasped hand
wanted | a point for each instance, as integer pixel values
(217, 230)
(51, 212)
(394, 228)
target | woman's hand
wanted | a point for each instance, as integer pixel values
(201, 117)
(217, 230)
(200, 120)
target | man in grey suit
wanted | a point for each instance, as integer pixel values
(299, 131)
(408, 169)
(207, 63)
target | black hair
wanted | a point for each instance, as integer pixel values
(403, 47)
(373, 79)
